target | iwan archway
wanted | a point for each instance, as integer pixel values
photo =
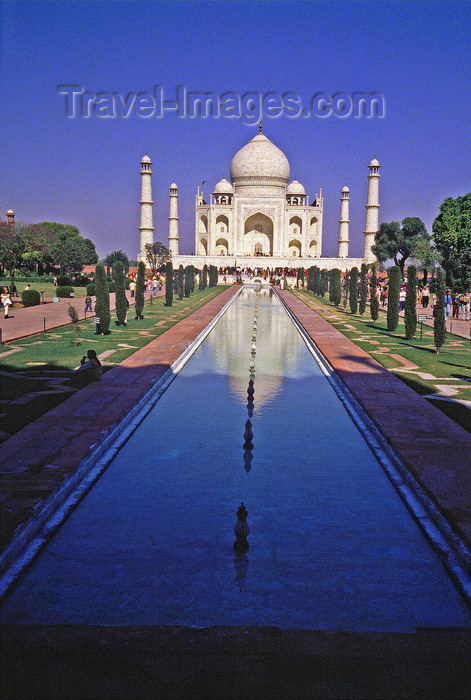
(258, 235)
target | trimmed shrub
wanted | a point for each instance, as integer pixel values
(168, 284)
(127, 282)
(374, 301)
(310, 279)
(353, 290)
(30, 297)
(120, 300)
(192, 279)
(81, 281)
(64, 292)
(187, 281)
(410, 312)
(64, 281)
(180, 282)
(140, 289)
(363, 288)
(204, 281)
(346, 289)
(91, 289)
(102, 307)
(394, 289)
(213, 276)
(112, 286)
(439, 320)
(335, 287)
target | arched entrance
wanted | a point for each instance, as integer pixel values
(258, 235)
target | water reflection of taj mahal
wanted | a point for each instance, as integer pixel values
(260, 218)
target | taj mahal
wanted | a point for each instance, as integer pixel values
(259, 218)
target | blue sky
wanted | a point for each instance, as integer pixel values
(86, 171)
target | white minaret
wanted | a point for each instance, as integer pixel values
(344, 223)
(372, 206)
(173, 221)
(146, 228)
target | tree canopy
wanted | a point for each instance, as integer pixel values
(452, 231)
(47, 242)
(117, 256)
(157, 255)
(397, 241)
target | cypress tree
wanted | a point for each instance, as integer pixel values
(204, 282)
(322, 283)
(213, 276)
(346, 289)
(410, 312)
(120, 298)
(439, 320)
(354, 290)
(336, 287)
(310, 279)
(187, 281)
(140, 289)
(168, 284)
(102, 308)
(192, 279)
(325, 286)
(180, 282)
(363, 288)
(394, 289)
(374, 301)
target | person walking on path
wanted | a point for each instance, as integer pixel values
(425, 297)
(6, 300)
(464, 304)
(132, 288)
(456, 305)
(447, 302)
(88, 303)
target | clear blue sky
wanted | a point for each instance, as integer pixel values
(86, 171)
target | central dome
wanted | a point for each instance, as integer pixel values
(260, 162)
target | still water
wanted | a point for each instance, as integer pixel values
(331, 544)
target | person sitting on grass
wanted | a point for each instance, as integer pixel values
(90, 370)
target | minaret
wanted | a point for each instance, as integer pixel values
(372, 206)
(11, 217)
(344, 222)
(146, 228)
(173, 221)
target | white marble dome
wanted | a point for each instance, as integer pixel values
(223, 187)
(146, 159)
(260, 162)
(374, 163)
(295, 187)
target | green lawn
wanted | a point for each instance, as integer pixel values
(415, 362)
(34, 369)
(55, 349)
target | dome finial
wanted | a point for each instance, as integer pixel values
(260, 127)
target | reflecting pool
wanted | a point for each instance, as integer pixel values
(331, 544)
